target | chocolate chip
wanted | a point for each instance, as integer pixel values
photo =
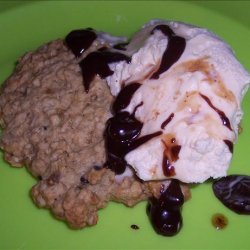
(96, 167)
(83, 180)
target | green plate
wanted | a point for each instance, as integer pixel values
(25, 26)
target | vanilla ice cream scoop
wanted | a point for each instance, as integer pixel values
(178, 104)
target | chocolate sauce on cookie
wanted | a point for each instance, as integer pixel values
(121, 137)
(167, 167)
(165, 212)
(95, 63)
(79, 41)
(175, 48)
(170, 155)
(126, 125)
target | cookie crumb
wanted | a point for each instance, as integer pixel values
(240, 129)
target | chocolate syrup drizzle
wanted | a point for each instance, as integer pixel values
(223, 117)
(230, 145)
(96, 63)
(175, 48)
(234, 192)
(167, 121)
(124, 97)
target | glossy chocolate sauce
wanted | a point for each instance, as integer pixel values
(124, 97)
(170, 155)
(123, 129)
(96, 63)
(165, 212)
(79, 41)
(121, 137)
(223, 117)
(167, 121)
(230, 145)
(175, 48)
(234, 192)
(136, 107)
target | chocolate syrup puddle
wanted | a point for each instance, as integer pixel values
(230, 145)
(79, 41)
(165, 212)
(128, 125)
(167, 121)
(96, 63)
(175, 48)
(136, 107)
(223, 117)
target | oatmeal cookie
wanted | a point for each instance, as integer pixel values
(55, 128)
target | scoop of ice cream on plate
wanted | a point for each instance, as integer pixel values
(178, 103)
